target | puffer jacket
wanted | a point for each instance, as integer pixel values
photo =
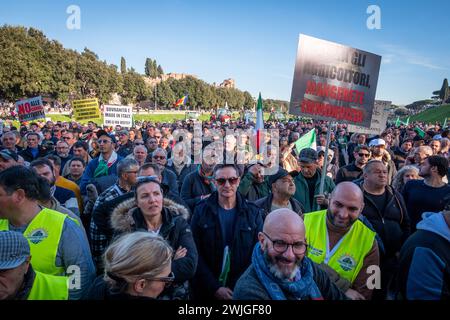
(127, 217)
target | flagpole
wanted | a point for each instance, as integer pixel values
(325, 159)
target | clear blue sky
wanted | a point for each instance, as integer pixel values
(253, 42)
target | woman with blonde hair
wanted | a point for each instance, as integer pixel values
(138, 265)
(405, 174)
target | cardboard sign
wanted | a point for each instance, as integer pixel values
(30, 109)
(118, 115)
(86, 109)
(379, 119)
(334, 82)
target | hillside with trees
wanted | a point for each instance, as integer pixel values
(32, 65)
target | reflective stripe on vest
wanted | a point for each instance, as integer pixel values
(43, 234)
(48, 287)
(347, 257)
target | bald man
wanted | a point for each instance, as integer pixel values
(280, 269)
(341, 243)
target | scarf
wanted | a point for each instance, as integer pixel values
(103, 165)
(303, 287)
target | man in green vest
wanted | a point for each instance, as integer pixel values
(18, 280)
(341, 243)
(58, 245)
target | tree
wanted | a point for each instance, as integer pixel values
(148, 67)
(444, 93)
(123, 65)
(160, 70)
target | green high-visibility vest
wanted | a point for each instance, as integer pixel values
(43, 234)
(347, 256)
(48, 287)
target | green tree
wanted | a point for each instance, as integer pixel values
(160, 70)
(444, 93)
(148, 67)
(123, 65)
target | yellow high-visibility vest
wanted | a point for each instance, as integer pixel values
(43, 234)
(347, 256)
(48, 287)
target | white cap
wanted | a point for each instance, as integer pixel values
(377, 142)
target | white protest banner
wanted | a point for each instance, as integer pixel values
(334, 82)
(30, 109)
(379, 119)
(118, 115)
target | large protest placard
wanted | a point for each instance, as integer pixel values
(86, 109)
(334, 82)
(30, 109)
(379, 119)
(118, 115)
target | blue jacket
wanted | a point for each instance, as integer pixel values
(208, 237)
(424, 272)
(88, 174)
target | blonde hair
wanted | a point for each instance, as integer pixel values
(134, 256)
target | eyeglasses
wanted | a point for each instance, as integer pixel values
(280, 246)
(138, 143)
(159, 157)
(367, 155)
(223, 181)
(103, 141)
(167, 280)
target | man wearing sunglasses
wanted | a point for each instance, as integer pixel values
(354, 170)
(280, 268)
(225, 227)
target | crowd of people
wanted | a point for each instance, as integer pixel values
(196, 211)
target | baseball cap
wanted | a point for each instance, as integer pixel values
(322, 150)
(308, 155)
(101, 132)
(377, 142)
(14, 249)
(281, 173)
(8, 155)
(125, 132)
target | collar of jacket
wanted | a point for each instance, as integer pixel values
(296, 205)
(28, 281)
(127, 217)
(213, 202)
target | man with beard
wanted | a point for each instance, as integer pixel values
(354, 170)
(341, 244)
(283, 189)
(66, 197)
(427, 195)
(280, 269)
(379, 152)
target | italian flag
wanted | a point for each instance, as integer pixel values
(259, 124)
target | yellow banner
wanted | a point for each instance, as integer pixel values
(86, 109)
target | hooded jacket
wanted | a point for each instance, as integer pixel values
(127, 217)
(425, 261)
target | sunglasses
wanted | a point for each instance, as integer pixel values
(223, 181)
(364, 155)
(138, 143)
(167, 280)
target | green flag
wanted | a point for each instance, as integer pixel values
(420, 132)
(445, 124)
(397, 122)
(407, 121)
(306, 141)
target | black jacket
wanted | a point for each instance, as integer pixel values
(210, 244)
(193, 188)
(175, 229)
(28, 156)
(348, 173)
(392, 225)
(266, 205)
(100, 290)
(126, 149)
(184, 172)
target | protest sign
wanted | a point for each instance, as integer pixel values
(379, 119)
(334, 82)
(30, 109)
(118, 115)
(86, 109)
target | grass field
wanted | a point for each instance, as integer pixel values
(432, 115)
